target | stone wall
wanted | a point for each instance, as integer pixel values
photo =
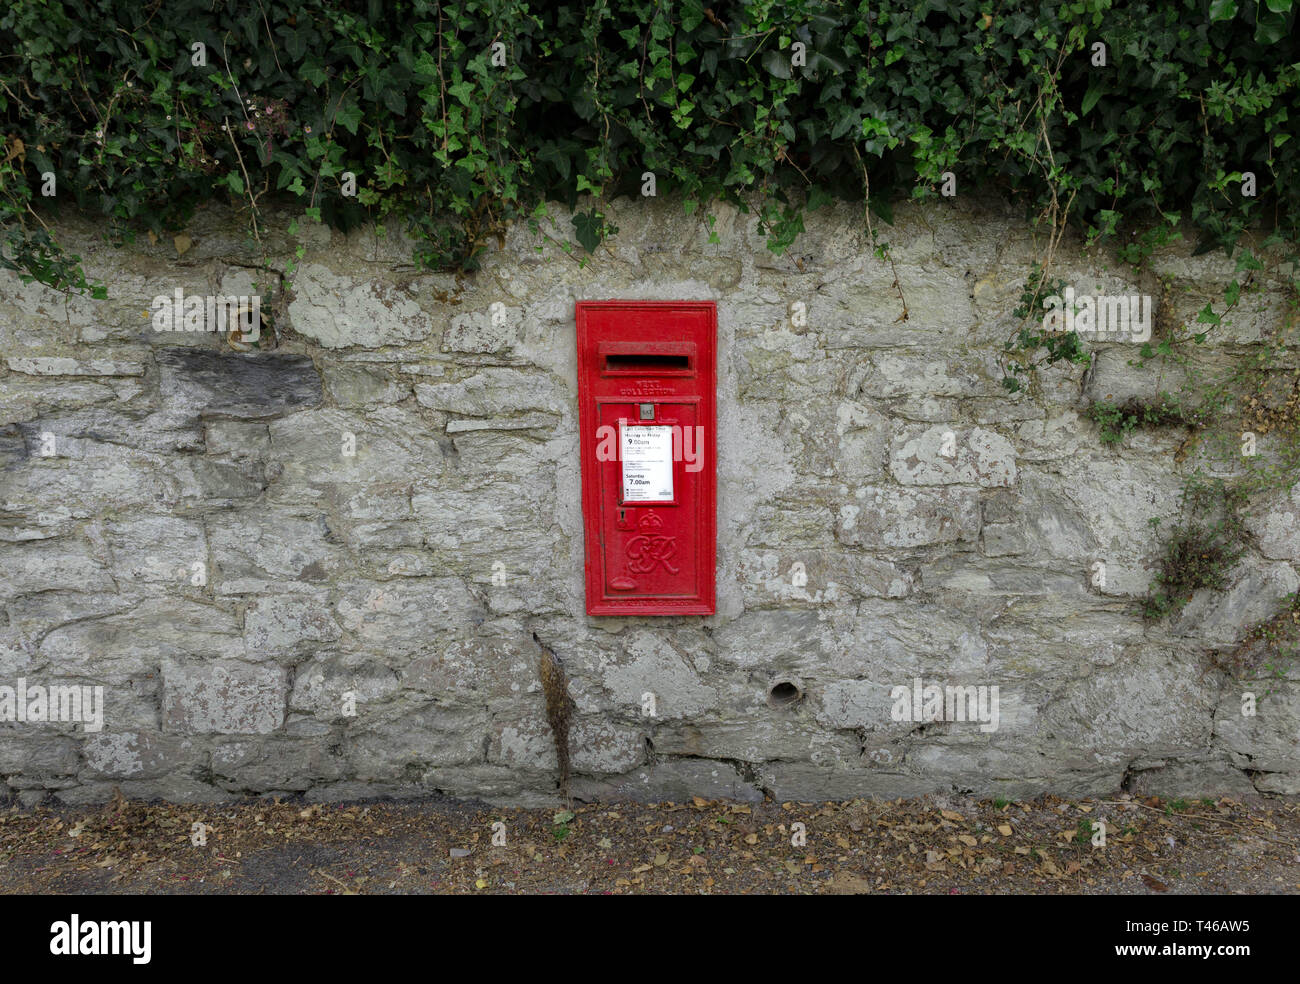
(181, 525)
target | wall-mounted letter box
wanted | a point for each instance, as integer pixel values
(647, 409)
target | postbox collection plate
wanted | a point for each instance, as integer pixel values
(649, 514)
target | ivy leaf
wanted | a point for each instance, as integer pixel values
(590, 229)
(777, 63)
(395, 100)
(349, 117)
(1247, 261)
(820, 60)
(1090, 99)
(1270, 29)
(296, 44)
(41, 162)
(557, 158)
(848, 120)
(1223, 10)
(817, 197)
(313, 72)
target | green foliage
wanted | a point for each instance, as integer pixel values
(459, 139)
(1245, 432)
(1139, 249)
(560, 829)
(36, 257)
(591, 229)
(1117, 421)
(1021, 356)
(1200, 551)
(1269, 648)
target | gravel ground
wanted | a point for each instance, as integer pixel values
(944, 846)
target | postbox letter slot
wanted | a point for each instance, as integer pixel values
(646, 357)
(646, 363)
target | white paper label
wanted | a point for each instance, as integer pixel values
(647, 454)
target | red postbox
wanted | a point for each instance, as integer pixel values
(647, 410)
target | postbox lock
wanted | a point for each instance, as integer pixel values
(647, 411)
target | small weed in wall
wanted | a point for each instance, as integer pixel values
(1202, 548)
(1117, 420)
(1269, 648)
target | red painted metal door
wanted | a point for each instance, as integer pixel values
(647, 384)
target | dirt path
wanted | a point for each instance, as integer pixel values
(940, 846)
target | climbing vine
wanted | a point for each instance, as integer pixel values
(459, 119)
